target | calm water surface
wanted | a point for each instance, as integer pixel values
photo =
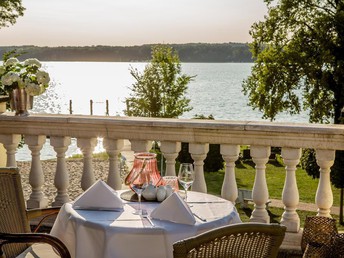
(216, 90)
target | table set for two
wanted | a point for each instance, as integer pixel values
(106, 223)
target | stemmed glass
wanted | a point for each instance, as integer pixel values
(138, 185)
(186, 176)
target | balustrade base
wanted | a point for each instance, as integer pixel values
(291, 245)
(292, 226)
(32, 204)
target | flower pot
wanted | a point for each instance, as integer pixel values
(20, 102)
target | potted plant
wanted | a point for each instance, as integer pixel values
(21, 81)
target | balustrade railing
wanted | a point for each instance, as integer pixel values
(260, 136)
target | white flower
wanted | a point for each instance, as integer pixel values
(11, 61)
(33, 89)
(10, 78)
(26, 75)
(32, 61)
(42, 77)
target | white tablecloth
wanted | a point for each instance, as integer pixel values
(96, 234)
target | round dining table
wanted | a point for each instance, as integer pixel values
(122, 234)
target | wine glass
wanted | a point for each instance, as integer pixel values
(138, 185)
(186, 176)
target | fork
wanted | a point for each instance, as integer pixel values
(146, 216)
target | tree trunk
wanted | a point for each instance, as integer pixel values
(341, 222)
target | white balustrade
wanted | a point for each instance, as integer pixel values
(141, 132)
(290, 195)
(170, 151)
(198, 153)
(10, 142)
(324, 196)
(36, 177)
(87, 146)
(230, 154)
(260, 194)
(140, 146)
(113, 148)
(61, 180)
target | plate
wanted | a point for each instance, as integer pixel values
(130, 196)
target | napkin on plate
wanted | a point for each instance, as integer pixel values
(174, 209)
(99, 196)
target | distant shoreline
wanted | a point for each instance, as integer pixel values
(189, 53)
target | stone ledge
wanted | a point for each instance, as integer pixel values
(291, 246)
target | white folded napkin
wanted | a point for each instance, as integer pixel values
(174, 209)
(99, 196)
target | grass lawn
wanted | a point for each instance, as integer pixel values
(275, 176)
(276, 215)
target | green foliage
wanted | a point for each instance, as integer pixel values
(159, 90)
(10, 10)
(337, 177)
(299, 60)
(184, 155)
(299, 51)
(309, 163)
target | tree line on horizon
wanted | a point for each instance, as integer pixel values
(191, 52)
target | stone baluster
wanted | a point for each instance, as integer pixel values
(198, 153)
(170, 151)
(290, 195)
(141, 146)
(36, 178)
(61, 180)
(260, 194)
(230, 154)
(324, 196)
(10, 142)
(113, 148)
(87, 146)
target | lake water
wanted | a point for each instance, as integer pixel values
(216, 90)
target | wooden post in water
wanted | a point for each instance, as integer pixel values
(91, 107)
(107, 107)
(70, 107)
(127, 103)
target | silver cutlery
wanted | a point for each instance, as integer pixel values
(199, 217)
(146, 216)
(149, 219)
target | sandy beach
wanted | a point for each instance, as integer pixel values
(74, 167)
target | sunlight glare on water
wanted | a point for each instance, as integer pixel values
(216, 90)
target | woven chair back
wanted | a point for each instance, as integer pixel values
(339, 245)
(246, 240)
(318, 236)
(13, 217)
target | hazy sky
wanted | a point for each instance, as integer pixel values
(132, 22)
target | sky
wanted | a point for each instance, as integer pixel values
(132, 22)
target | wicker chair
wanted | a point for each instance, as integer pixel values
(320, 238)
(238, 240)
(15, 232)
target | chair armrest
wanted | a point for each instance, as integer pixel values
(35, 213)
(7, 238)
(44, 213)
